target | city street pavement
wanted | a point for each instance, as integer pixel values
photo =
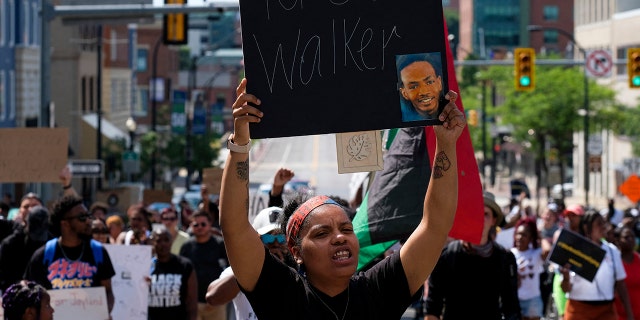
(502, 191)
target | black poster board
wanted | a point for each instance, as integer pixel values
(583, 255)
(328, 66)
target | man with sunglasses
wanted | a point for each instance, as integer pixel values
(73, 260)
(225, 289)
(169, 218)
(209, 257)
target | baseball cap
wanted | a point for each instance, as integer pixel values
(267, 220)
(38, 223)
(575, 209)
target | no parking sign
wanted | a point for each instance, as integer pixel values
(599, 63)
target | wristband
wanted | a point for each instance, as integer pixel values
(239, 149)
(67, 186)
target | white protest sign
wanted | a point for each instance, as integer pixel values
(80, 303)
(130, 289)
(505, 237)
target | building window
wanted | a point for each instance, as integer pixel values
(550, 13)
(141, 59)
(35, 24)
(3, 97)
(142, 105)
(11, 92)
(26, 22)
(83, 94)
(119, 95)
(3, 22)
(91, 94)
(12, 25)
(550, 37)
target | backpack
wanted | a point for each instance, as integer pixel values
(50, 250)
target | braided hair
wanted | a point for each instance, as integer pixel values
(21, 296)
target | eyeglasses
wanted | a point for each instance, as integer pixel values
(100, 231)
(269, 238)
(201, 224)
(169, 219)
(81, 217)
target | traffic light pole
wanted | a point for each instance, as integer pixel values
(586, 105)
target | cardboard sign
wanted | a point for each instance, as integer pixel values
(150, 196)
(80, 303)
(33, 154)
(130, 289)
(332, 66)
(583, 255)
(359, 151)
(212, 178)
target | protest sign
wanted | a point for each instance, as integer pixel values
(583, 255)
(333, 66)
(80, 303)
(22, 160)
(130, 289)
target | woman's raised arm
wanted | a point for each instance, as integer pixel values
(421, 251)
(244, 248)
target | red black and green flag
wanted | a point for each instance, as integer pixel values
(392, 208)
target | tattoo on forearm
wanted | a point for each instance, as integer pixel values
(242, 169)
(441, 165)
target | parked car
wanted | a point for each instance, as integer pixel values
(556, 190)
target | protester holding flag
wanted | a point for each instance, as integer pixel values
(320, 236)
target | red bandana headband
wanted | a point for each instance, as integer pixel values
(297, 218)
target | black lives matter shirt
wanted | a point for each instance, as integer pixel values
(168, 290)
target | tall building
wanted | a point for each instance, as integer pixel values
(491, 29)
(610, 25)
(19, 69)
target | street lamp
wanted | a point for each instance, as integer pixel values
(532, 28)
(131, 126)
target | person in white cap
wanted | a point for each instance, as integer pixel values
(225, 289)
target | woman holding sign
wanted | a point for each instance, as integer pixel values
(594, 300)
(321, 238)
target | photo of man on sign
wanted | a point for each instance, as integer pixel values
(420, 86)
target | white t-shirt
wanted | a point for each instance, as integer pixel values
(530, 265)
(244, 311)
(603, 284)
(616, 218)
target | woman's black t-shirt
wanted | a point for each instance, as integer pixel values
(381, 292)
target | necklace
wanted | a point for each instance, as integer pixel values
(65, 255)
(346, 307)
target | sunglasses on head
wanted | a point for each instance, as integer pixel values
(269, 238)
(81, 217)
(201, 224)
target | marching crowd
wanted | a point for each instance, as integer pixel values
(306, 252)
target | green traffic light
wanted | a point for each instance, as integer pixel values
(635, 81)
(525, 81)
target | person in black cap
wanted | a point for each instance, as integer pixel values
(16, 250)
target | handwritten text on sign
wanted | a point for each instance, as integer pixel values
(329, 65)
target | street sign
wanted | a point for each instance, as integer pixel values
(595, 164)
(87, 168)
(594, 146)
(599, 63)
(631, 188)
(130, 162)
